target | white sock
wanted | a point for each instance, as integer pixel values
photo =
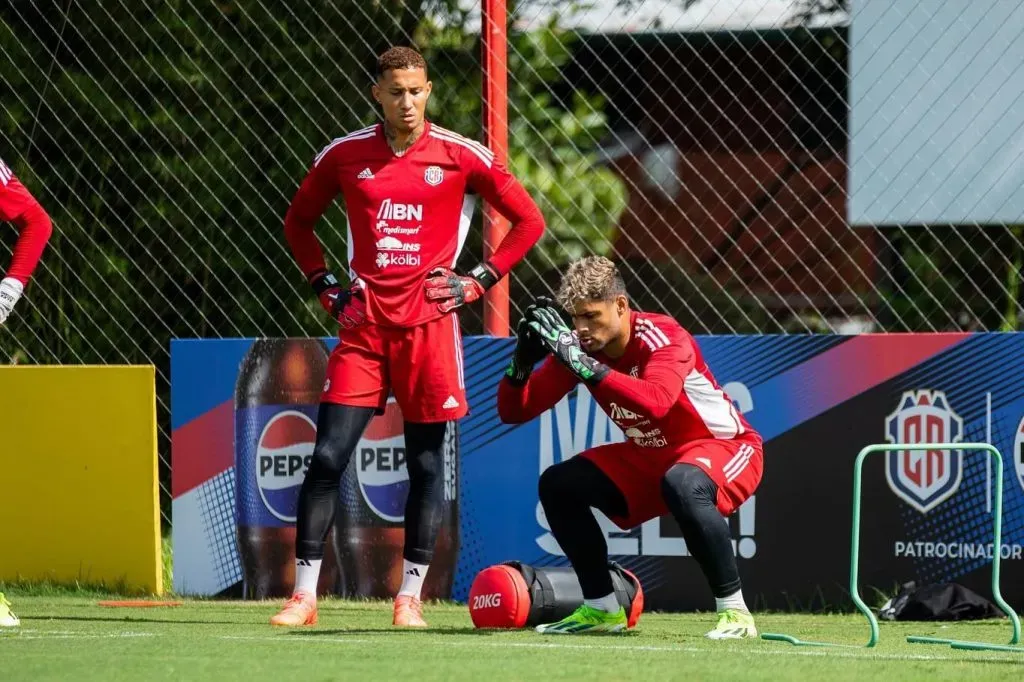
(607, 603)
(733, 601)
(413, 576)
(307, 573)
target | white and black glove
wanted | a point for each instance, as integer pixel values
(10, 292)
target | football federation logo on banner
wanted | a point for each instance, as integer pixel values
(924, 478)
(1018, 452)
(433, 175)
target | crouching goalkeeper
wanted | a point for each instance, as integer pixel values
(688, 451)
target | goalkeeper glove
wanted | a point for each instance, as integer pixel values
(453, 290)
(10, 292)
(565, 345)
(529, 348)
(346, 306)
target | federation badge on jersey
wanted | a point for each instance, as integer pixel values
(924, 478)
(434, 176)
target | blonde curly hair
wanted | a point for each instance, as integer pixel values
(594, 278)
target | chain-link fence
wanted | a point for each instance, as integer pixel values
(703, 144)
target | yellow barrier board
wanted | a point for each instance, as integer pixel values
(79, 496)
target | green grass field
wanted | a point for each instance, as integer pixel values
(72, 638)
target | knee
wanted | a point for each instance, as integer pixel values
(686, 487)
(329, 459)
(424, 466)
(424, 451)
(553, 485)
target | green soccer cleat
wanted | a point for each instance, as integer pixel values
(586, 619)
(7, 618)
(733, 624)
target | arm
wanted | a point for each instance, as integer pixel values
(19, 207)
(317, 191)
(520, 402)
(651, 394)
(500, 189)
(657, 388)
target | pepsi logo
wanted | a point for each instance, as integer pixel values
(283, 453)
(380, 465)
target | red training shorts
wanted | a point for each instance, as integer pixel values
(734, 465)
(421, 365)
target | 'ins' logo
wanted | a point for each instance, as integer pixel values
(924, 478)
(282, 457)
(383, 476)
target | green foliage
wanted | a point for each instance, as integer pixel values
(553, 139)
(167, 142)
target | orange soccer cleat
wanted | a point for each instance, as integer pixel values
(299, 610)
(408, 612)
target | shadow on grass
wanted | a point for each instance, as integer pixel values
(479, 632)
(388, 630)
(130, 619)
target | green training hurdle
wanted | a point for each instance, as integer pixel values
(855, 556)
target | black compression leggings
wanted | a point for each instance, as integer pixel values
(339, 428)
(568, 490)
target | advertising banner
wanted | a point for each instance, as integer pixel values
(244, 413)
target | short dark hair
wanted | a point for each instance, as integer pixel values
(400, 58)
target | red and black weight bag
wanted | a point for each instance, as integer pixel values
(514, 595)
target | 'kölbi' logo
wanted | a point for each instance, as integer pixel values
(924, 478)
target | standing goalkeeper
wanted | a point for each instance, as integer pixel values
(405, 184)
(688, 451)
(20, 208)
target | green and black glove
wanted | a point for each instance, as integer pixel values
(558, 339)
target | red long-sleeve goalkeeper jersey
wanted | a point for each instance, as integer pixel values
(661, 392)
(19, 207)
(407, 214)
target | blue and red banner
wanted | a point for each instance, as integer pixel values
(817, 400)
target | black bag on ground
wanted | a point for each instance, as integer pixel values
(515, 595)
(941, 601)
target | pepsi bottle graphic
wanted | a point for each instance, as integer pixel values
(369, 527)
(276, 398)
